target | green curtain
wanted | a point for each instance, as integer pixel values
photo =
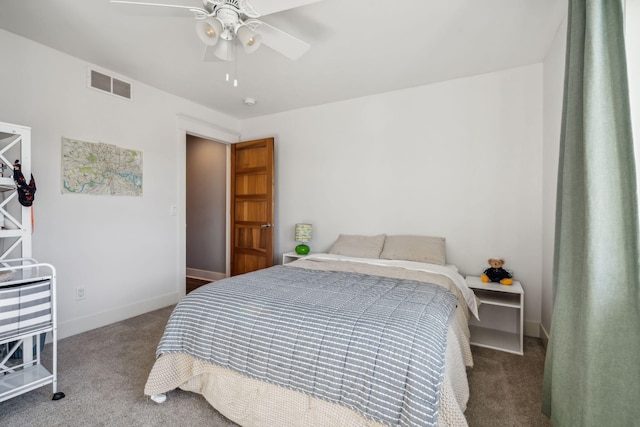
(592, 368)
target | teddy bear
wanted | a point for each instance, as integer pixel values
(496, 273)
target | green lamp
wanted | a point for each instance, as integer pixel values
(303, 235)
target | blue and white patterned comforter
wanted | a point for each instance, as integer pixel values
(373, 344)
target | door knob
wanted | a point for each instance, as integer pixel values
(267, 225)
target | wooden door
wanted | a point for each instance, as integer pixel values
(252, 185)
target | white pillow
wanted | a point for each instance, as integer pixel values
(415, 248)
(358, 246)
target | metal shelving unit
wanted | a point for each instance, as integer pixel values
(27, 302)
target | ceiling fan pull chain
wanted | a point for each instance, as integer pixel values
(228, 61)
(235, 64)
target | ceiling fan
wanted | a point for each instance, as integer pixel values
(221, 22)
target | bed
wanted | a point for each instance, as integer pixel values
(331, 339)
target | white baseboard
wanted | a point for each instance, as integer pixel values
(205, 274)
(544, 335)
(97, 320)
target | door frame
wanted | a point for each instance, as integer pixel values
(189, 125)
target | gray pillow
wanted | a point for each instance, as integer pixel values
(358, 246)
(415, 248)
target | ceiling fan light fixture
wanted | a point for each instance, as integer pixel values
(224, 50)
(209, 31)
(231, 19)
(250, 40)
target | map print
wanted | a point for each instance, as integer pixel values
(100, 169)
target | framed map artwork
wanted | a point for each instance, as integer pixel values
(100, 169)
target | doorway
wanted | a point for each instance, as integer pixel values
(206, 207)
(190, 126)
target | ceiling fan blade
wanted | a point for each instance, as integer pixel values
(278, 40)
(198, 11)
(257, 8)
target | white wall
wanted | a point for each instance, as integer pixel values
(460, 159)
(122, 250)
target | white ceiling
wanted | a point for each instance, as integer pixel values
(358, 47)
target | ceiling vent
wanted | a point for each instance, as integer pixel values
(104, 82)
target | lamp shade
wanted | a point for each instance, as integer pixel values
(250, 40)
(209, 31)
(303, 232)
(303, 235)
(225, 50)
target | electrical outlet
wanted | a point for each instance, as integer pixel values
(80, 294)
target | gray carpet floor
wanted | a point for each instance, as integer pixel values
(103, 372)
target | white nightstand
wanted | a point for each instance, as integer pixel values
(501, 316)
(292, 256)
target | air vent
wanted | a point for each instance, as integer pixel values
(121, 88)
(106, 83)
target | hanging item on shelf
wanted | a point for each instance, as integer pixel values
(26, 192)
